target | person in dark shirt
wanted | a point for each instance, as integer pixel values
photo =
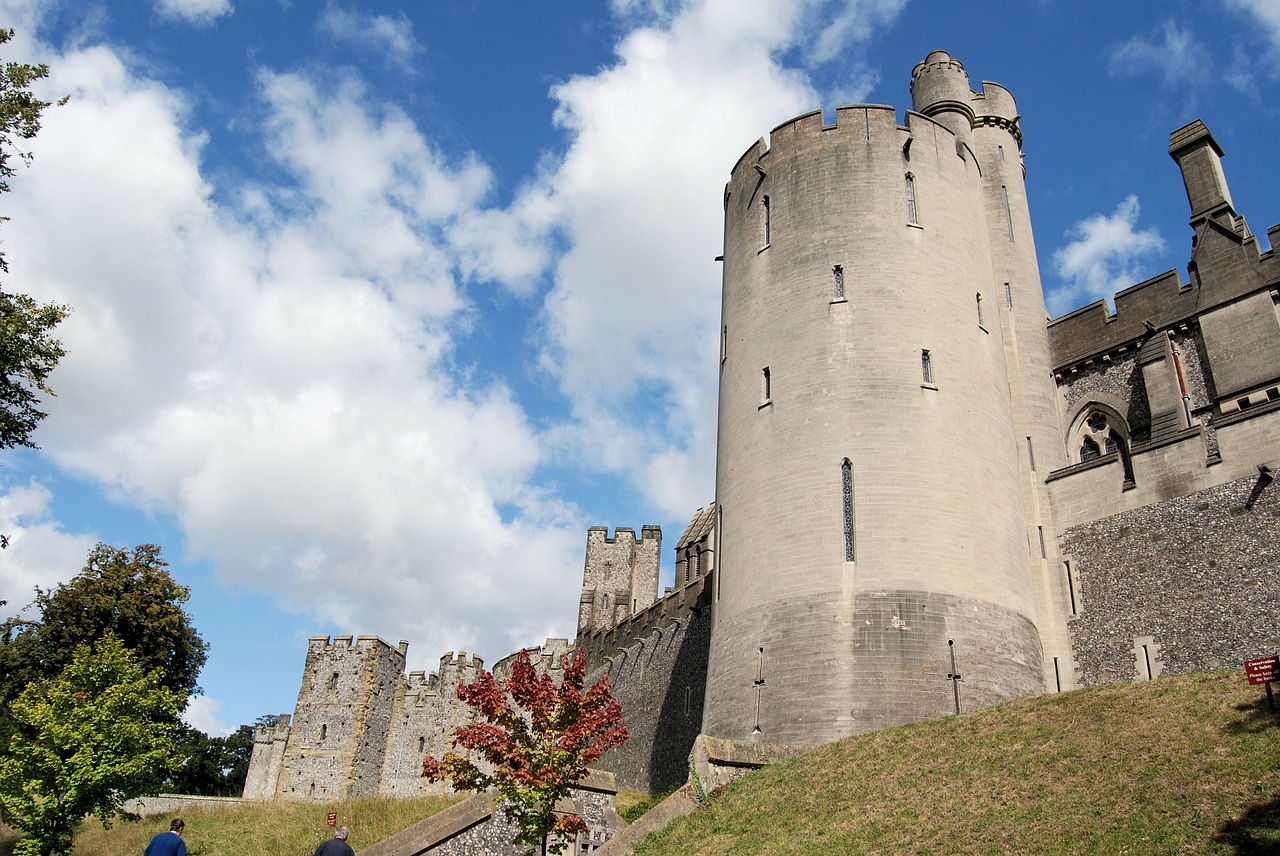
(168, 843)
(337, 845)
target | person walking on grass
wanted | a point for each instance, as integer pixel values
(168, 843)
(337, 845)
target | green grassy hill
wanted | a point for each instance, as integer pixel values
(1186, 764)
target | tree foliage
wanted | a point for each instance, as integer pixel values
(212, 766)
(127, 594)
(537, 739)
(85, 742)
(28, 351)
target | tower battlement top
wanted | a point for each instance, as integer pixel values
(626, 533)
(354, 643)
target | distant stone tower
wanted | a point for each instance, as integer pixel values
(343, 717)
(886, 418)
(619, 577)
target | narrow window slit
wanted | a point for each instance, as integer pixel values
(846, 497)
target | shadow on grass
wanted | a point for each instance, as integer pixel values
(1257, 832)
(1258, 717)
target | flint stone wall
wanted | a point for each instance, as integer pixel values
(1195, 579)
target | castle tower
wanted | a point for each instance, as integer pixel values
(619, 577)
(342, 719)
(883, 351)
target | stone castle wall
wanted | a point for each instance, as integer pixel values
(340, 724)
(657, 663)
(423, 718)
(1185, 585)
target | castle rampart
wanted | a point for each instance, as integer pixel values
(657, 663)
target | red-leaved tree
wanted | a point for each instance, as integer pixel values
(538, 737)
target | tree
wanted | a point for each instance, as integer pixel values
(28, 352)
(213, 766)
(538, 748)
(127, 594)
(98, 734)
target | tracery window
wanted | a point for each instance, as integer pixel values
(911, 200)
(1099, 431)
(846, 490)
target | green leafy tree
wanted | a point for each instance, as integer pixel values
(213, 766)
(128, 594)
(537, 738)
(28, 351)
(98, 734)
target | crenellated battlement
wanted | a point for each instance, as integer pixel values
(454, 671)
(548, 658)
(876, 126)
(676, 607)
(269, 733)
(363, 643)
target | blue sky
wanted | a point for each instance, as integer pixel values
(379, 305)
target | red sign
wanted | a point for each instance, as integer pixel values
(1261, 671)
(333, 818)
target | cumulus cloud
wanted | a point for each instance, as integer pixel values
(197, 12)
(1172, 54)
(1103, 256)
(383, 35)
(203, 714)
(279, 376)
(40, 551)
(1267, 14)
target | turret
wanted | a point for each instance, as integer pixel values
(1199, 157)
(940, 90)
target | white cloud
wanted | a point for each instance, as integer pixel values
(1103, 257)
(202, 714)
(1173, 54)
(1267, 13)
(279, 377)
(40, 552)
(376, 34)
(197, 12)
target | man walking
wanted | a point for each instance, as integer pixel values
(168, 843)
(337, 845)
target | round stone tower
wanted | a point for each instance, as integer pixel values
(881, 556)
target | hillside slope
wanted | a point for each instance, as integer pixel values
(1187, 764)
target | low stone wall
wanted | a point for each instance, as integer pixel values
(1189, 584)
(177, 804)
(478, 826)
